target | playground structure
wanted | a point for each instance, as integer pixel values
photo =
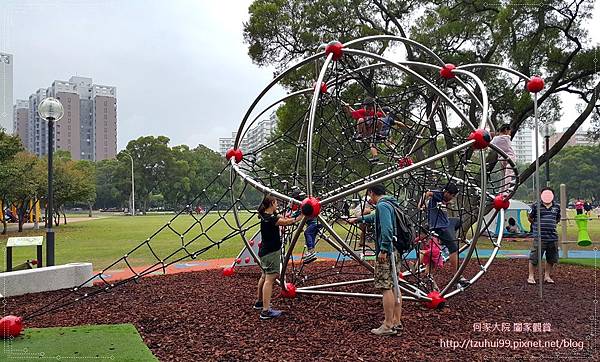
(32, 212)
(317, 153)
(583, 238)
(518, 211)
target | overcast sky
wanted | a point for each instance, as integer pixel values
(180, 67)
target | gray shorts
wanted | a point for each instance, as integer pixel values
(550, 249)
(271, 262)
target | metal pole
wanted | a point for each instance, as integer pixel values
(49, 231)
(395, 275)
(537, 191)
(132, 189)
(311, 124)
(563, 220)
(132, 185)
(547, 136)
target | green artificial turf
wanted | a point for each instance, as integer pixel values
(118, 342)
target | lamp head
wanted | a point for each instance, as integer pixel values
(51, 109)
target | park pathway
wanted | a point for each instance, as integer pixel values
(12, 227)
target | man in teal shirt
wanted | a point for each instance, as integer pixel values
(384, 219)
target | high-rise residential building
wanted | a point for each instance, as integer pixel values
(6, 92)
(88, 129)
(21, 121)
(580, 138)
(38, 128)
(226, 143)
(522, 144)
(255, 137)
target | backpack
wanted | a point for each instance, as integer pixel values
(404, 230)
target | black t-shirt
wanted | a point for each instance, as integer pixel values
(269, 231)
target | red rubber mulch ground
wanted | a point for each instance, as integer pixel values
(205, 316)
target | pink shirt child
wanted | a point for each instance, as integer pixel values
(431, 251)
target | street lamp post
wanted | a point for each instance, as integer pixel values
(51, 110)
(132, 186)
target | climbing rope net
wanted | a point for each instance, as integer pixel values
(427, 128)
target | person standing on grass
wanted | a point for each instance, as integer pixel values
(384, 219)
(270, 254)
(549, 217)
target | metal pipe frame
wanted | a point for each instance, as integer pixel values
(480, 219)
(344, 245)
(290, 251)
(389, 172)
(395, 174)
(339, 284)
(396, 38)
(266, 89)
(538, 196)
(417, 76)
(489, 261)
(311, 124)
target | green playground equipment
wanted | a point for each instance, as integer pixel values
(583, 238)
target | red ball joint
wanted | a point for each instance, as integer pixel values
(247, 260)
(289, 291)
(405, 162)
(336, 48)
(437, 301)
(501, 202)
(11, 326)
(481, 137)
(447, 71)
(311, 207)
(235, 153)
(535, 84)
(228, 271)
(323, 87)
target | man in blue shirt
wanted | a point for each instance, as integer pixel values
(549, 216)
(385, 220)
(439, 222)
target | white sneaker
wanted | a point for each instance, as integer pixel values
(384, 331)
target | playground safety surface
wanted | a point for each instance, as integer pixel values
(205, 316)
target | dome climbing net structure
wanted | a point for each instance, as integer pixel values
(365, 119)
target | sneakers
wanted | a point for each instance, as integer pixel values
(309, 257)
(269, 314)
(258, 305)
(398, 327)
(384, 331)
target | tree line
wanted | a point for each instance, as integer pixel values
(24, 182)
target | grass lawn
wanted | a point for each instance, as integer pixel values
(119, 342)
(585, 262)
(102, 241)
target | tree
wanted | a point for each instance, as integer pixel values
(548, 39)
(153, 161)
(577, 167)
(193, 170)
(23, 183)
(72, 182)
(108, 185)
(9, 147)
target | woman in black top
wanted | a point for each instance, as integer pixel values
(270, 253)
